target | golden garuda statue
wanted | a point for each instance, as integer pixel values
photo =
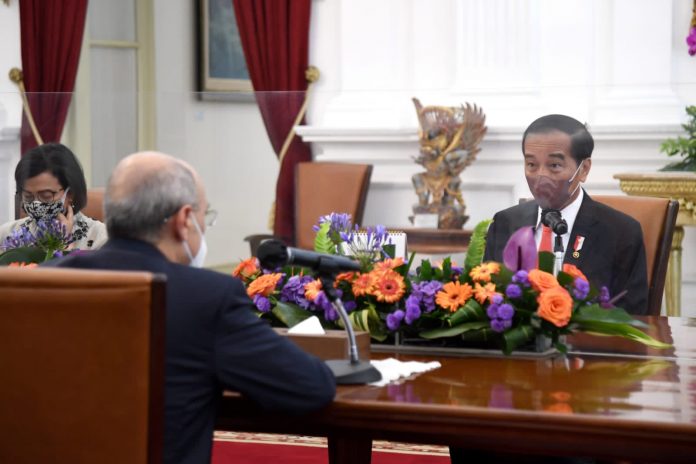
(449, 142)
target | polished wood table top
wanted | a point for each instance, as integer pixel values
(605, 399)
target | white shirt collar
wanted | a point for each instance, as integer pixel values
(569, 213)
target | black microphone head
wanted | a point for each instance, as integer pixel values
(552, 218)
(272, 254)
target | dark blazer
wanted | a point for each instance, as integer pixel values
(612, 255)
(214, 341)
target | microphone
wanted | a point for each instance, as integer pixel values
(273, 254)
(552, 219)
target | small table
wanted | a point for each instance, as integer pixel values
(437, 241)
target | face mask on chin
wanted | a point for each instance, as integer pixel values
(553, 193)
(199, 259)
(39, 210)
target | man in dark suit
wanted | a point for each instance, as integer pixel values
(156, 214)
(605, 244)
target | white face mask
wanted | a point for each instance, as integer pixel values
(199, 259)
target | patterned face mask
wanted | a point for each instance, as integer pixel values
(39, 210)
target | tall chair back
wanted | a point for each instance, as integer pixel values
(95, 204)
(657, 217)
(323, 188)
(82, 359)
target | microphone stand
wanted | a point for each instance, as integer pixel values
(558, 255)
(351, 370)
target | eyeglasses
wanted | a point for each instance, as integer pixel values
(210, 217)
(44, 196)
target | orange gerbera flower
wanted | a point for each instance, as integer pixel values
(344, 276)
(453, 295)
(312, 289)
(483, 271)
(573, 271)
(388, 264)
(264, 285)
(484, 293)
(246, 269)
(541, 280)
(363, 284)
(389, 287)
(27, 265)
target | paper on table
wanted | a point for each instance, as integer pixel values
(310, 326)
(393, 369)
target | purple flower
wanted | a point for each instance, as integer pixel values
(520, 251)
(582, 288)
(394, 319)
(262, 303)
(293, 291)
(498, 325)
(413, 304)
(506, 311)
(691, 41)
(513, 291)
(605, 298)
(492, 311)
(413, 312)
(521, 277)
(350, 305)
(497, 299)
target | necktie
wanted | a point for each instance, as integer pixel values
(545, 244)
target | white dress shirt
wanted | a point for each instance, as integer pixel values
(569, 213)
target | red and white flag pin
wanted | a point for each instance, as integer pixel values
(579, 240)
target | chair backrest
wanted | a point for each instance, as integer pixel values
(82, 360)
(95, 204)
(657, 217)
(323, 188)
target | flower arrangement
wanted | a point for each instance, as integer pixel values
(48, 241)
(683, 146)
(508, 304)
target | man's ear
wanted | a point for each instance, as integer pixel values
(585, 170)
(181, 222)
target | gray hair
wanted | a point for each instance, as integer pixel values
(141, 212)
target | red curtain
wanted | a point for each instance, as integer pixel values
(275, 39)
(51, 34)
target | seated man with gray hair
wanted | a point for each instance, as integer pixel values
(156, 211)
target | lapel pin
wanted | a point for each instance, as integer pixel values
(577, 246)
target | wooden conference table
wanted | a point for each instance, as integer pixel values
(608, 399)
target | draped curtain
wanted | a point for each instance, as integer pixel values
(275, 39)
(51, 34)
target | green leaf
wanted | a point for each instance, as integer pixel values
(483, 336)
(367, 320)
(477, 244)
(516, 336)
(621, 330)
(595, 313)
(471, 311)
(425, 271)
(546, 259)
(290, 314)
(389, 250)
(22, 255)
(565, 279)
(322, 241)
(453, 331)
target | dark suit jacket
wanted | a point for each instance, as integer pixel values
(214, 341)
(612, 255)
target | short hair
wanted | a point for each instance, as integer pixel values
(141, 212)
(58, 160)
(581, 141)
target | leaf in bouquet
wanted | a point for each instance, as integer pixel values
(479, 336)
(447, 269)
(471, 311)
(520, 252)
(425, 272)
(22, 255)
(322, 241)
(517, 336)
(477, 244)
(565, 279)
(367, 320)
(595, 313)
(389, 250)
(546, 259)
(453, 331)
(621, 330)
(290, 314)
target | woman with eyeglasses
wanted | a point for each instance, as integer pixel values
(51, 185)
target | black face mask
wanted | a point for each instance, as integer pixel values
(40, 210)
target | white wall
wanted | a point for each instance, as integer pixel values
(620, 65)
(225, 141)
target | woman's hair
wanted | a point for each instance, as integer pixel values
(58, 160)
